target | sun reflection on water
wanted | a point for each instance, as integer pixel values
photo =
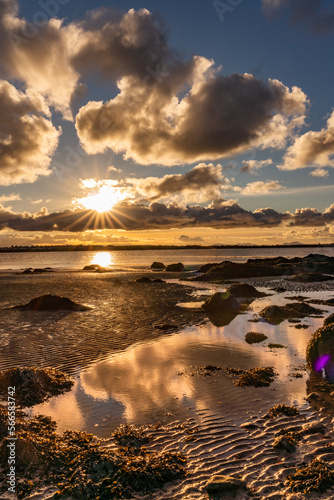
(103, 259)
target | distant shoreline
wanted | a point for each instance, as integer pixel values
(108, 248)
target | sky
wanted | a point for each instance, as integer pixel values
(145, 122)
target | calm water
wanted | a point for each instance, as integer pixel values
(134, 259)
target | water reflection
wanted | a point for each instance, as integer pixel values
(143, 383)
(104, 259)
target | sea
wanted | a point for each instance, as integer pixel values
(139, 259)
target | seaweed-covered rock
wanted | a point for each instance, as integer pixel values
(175, 268)
(34, 385)
(287, 440)
(310, 278)
(320, 351)
(51, 303)
(244, 290)
(276, 314)
(255, 337)
(158, 266)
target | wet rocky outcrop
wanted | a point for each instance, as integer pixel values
(175, 268)
(51, 303)
(244, 290)
(276, 314)
(158, 266)
(276, 266)
(310, 278)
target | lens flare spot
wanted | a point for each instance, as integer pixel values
(321, 362)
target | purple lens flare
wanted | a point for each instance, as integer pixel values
(321, 362)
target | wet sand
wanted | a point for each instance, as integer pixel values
(128, 371)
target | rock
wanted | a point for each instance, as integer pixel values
(282, 442)
(175, 268)
(207, 267)
(158, 266)
(220, 483)
(158, 280)
(222, 303)
(313, 428)
(315, 396)
(143, 279)
(280, 289)
(310, 278)
(51, 303)
(93, 267)
(244, 290)
(276, 314)
(329, 320)
(320, 352)
(254, 337)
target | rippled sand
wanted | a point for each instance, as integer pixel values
(136, 355)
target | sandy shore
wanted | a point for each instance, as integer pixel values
(136, 356)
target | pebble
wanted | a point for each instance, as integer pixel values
(224, 483)
(313, 428)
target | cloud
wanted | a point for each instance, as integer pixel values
(313, 149)
(252, 166)
(27, 137)
(204, 182)
(36, 202)
(114, 169)
(314, 14)
(190, 239)
(260, 188)
(9, 197)
(219, 214)
(39, 54)
(319, 172)
(191, 114)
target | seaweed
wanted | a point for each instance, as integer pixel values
(81, 466)
(257, 377)
(289, 411)
(34, 385)
(314, 476)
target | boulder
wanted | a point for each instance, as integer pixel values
(320, 352)
(255, 338)
(93, 267)
(244, 290)
(222, 303)
(276, 314)
(51, 303)
(310, 278)
(158, 266)
(220, 483)
(175, 268)
(143, 279)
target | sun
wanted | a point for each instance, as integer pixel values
(102, 201)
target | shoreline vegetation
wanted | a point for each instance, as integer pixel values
(88, 248)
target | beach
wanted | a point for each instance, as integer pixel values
(147, 354)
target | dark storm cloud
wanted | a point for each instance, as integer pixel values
(315, 14)
(219, 215)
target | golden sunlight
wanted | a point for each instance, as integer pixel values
(103, 200)
(103, 259)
